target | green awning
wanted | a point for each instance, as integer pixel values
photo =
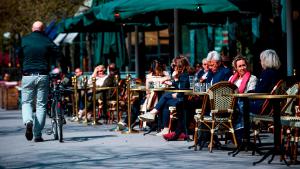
(131, 8)
(108, 16)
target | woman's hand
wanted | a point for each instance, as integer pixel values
(95, 71)
(201, 80)
(174, 95)
(169, 83)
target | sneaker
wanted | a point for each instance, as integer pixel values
(169, 136)
(28, 133)
(73, 119)
(182, 136)
(81, 114)
(147, 117)
(163, 132)
(122, 125)
(38, 139)
(173, 137)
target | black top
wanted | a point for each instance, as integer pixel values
(37, 52)
(222, 74)
(267, 80)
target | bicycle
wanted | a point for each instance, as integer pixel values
(55, 107)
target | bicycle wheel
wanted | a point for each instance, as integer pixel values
(54, 129)
(59, 119)
(53, 121)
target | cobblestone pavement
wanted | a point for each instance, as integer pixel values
(88, 146)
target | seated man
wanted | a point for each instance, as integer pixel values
(217, 71)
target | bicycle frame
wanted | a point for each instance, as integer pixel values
(56, 112)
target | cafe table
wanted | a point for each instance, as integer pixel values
(275, 103)
(131, 89)
(173, 90)
(79, 89)
(204, 96)
(159, 92)
(246, 144)
(185, 91)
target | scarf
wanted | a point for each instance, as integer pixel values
(244, 82)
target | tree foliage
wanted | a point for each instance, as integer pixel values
(17, 16)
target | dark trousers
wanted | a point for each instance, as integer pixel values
(135, 111)
(162, 106)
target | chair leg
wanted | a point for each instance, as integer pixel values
(256, 134)
(172, 110)
(100, 112)
(119, 116)
(110, 116)
(233, 134)
(295, 149)
(196, 136)
(212, 131)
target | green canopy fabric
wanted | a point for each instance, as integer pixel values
(106, 17)
(110, 17)
(130, 8)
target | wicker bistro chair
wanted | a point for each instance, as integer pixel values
(264, 119)
(290, 124)
(221, 112)
(148, 105)
(121, 102)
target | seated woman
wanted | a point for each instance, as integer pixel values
(245, 82)
(203, 73)
(180, 81)
(156, 74)
(269, 76)
(101, 76)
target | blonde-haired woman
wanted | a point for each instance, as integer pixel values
(242, 78)
(245, 82)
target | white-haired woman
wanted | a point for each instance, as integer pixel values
(269, 76)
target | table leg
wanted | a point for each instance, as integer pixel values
(246, 144)
(276, 150)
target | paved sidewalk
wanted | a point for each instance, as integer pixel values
(98, 147)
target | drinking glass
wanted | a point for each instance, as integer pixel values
(207, 86)
(197, 87)
(191, 80)
(202, 87)
(151, 85)
(132, 83)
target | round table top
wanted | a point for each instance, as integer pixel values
(139, 88)
(105, 88)
(245, 95)
(197, 93)
(179, 90)
(162, 89)
(83, 88)
(270, 96)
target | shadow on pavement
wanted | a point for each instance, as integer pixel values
(86, 138)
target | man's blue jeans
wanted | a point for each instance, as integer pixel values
(35, 93)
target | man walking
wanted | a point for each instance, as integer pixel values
(36, 51)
